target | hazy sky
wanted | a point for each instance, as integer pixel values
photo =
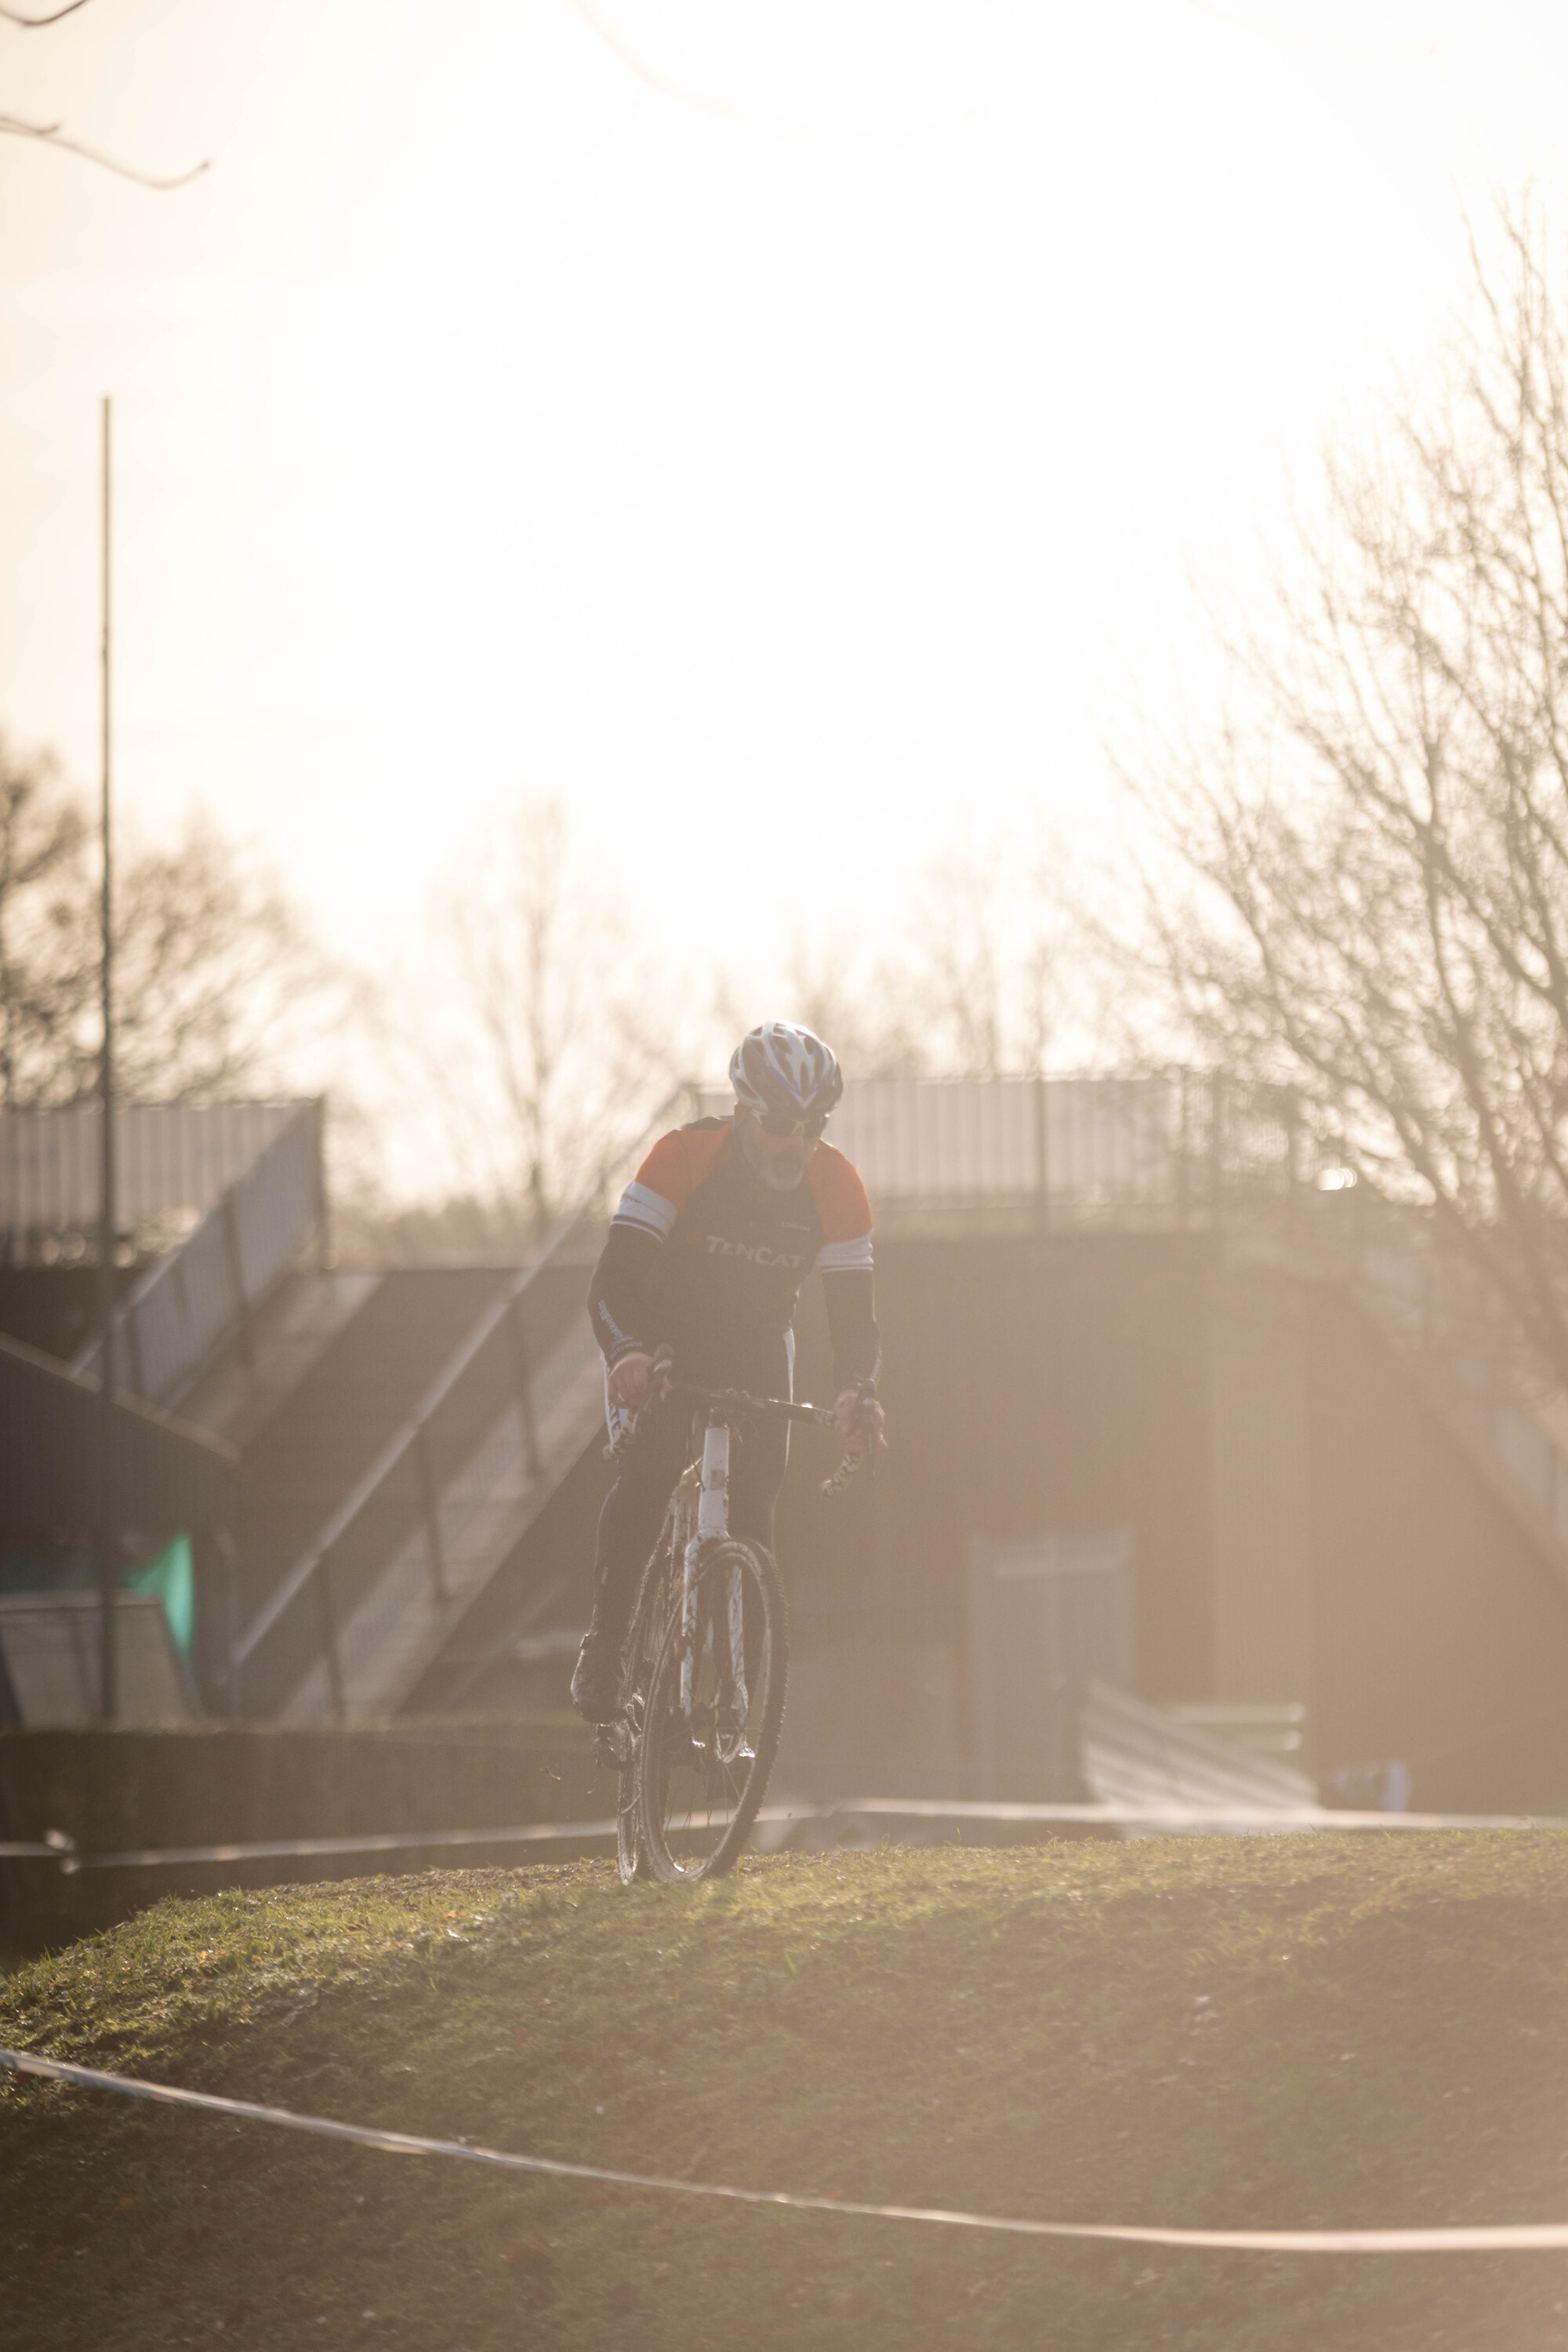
(776, 477)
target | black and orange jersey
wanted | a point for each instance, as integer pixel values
(700, 1254)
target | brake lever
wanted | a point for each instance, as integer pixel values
(658, 1378)
(864, 1464)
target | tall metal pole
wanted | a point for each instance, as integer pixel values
(108, 1513)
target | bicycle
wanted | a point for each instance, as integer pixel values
(705, 1664)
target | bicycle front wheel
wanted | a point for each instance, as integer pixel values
(711, 1734)
(648, 1622)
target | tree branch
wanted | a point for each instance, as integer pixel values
(36, 23)
(52, 134)
(802, 133)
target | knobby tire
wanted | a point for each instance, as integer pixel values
(637, 1675)
(665, 1729)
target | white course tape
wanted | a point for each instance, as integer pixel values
(377, 1841)
(1182, 1816)
(1221, 1819)
(1479, 2238)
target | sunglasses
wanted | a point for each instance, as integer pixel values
(773, 1122)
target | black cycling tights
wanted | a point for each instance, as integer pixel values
(633, 1508)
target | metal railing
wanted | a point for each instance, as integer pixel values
(200, 1294)
(1174, 1147)
(1189, 1148)
(411, 1449)
(173, 1160)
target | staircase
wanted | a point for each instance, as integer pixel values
(401, 1471)
(317, 1446)
(464, 1514)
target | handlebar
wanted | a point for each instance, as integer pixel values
(735, 1406)
(737, 1402)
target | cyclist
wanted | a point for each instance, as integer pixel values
(706, 1255)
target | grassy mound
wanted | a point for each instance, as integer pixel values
(1251, 2032)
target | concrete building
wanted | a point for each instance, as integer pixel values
(1138, 1325)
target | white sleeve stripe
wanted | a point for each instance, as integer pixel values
(846, 1257)
(637, 1224)
(640, 1205)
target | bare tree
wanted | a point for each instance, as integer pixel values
(541, 1036)
(994, 967)
(215, 975)
(961, 953)
(982, 972)
(45, 982)
(840, 984)
(218, 981)
(1375, 840)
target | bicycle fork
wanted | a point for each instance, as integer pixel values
(728, 1635)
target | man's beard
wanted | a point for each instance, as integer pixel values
(781, 1171)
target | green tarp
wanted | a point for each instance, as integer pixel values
(173, 1577)
(72, 1566)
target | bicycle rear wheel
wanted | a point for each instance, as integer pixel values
(703, 1774)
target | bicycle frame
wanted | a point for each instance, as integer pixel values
(698, 1728)
(700, 1517)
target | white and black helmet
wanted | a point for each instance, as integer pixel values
(780, 1071)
